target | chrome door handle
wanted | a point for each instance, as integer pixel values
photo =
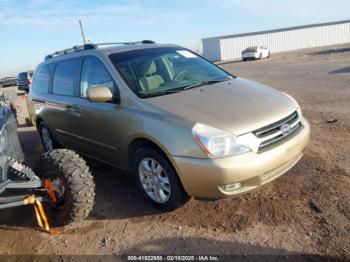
(73, 109)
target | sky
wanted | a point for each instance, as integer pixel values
(31, 29)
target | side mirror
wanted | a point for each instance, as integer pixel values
(100, 93)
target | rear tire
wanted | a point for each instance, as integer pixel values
(73, 183)
(168, 199)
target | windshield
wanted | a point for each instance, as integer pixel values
(160, 71)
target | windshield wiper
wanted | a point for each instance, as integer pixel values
(158, 93)
(206, 82)
(172, 91)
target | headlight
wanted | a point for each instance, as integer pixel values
(217, 143)
(3, 140)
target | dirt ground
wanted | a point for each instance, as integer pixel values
(306, 211)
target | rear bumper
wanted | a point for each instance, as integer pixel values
(206, 178)
(253, 55)
(23, 87)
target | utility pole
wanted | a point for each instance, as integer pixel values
(82, 32)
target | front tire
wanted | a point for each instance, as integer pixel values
(157, 179)
(47, 140)
(72, 184)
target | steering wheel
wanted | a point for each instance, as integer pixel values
(180, 76)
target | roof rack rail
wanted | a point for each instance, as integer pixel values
(128, 43)
(71, 50)
(94, 46)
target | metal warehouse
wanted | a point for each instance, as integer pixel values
(284, 39)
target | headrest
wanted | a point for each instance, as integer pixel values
(148, 68)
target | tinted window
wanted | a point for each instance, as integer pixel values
(94, 73)
(63, 79)
(22, 76)
(42, 78)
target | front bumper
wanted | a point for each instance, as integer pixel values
(205, 178)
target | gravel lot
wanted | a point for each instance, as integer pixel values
(306, 211)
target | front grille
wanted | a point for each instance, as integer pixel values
(273, 133)
(275, 127)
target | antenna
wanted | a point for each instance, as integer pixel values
(82, 32)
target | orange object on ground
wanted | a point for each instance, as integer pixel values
(40, 214)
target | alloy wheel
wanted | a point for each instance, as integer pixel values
(154, 180)
(46, 137)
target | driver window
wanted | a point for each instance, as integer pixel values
(93, 74)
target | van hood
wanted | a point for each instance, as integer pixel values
(238, 105)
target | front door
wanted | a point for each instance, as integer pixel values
(98, 121)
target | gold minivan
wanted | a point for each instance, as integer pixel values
(182, 125)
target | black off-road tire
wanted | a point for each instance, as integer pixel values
(79, 193)
(178, 196)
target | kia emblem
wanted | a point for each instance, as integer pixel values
(286, 128)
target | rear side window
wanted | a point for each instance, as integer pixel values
(41, 78)
(63, 79)
(93, 74)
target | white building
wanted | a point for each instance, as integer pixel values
(284, 39)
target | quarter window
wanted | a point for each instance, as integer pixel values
(93, 74)
(41, 78)
(63, 80)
